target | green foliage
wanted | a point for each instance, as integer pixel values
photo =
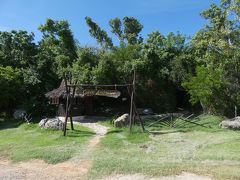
(204, 85)
(17, 49)
(216, 47)
(59, 43)
(82, 68)
(116, 26)
(101, 35)
(127, 31)
(165, 61)
(10, 89)
(41, 65)
(132, 28)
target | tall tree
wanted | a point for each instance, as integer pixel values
(127, 31)
(58, 44)
(116, 26)
(217, 50)
(132, 28)
(11, 88)
(100, 35)
(19, 52)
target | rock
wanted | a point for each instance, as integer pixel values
(122, 121)
(19, 113)
(231, 123)
(53, 123)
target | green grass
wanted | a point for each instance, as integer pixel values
(21, 142)
(201, 148)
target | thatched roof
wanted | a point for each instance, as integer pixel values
(60, 92)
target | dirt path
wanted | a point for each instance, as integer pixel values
(98, 129)
(38, 169)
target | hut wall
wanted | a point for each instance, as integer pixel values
(76, 110)
(88, 104)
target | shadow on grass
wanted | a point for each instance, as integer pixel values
(10, 123)
(168, 132)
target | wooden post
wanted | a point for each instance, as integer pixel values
(71, 120)
(66, 118)
(131, 112)
(133, 105)
(67, 102)
(139, 118)
(70, 106)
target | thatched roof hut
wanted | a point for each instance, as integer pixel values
(60, 92)
(83, 97)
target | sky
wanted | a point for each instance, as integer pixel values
(162, 15)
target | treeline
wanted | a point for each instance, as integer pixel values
(172, 70)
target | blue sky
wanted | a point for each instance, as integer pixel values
(163, 15)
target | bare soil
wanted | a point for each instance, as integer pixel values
(38, 169)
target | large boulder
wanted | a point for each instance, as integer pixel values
(52, 123)
(231, 123)
(121, 121)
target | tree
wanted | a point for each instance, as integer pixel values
(132, 28)
(19, 52)
(58, 45)
(217, 50)
(10, 89)
(100, 35)
(17, 49)
(82, 68)
(116, 26)
(167, 62)
(127, 31)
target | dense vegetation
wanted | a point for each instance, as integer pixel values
(205, 66)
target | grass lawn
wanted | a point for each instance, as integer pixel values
(21, 141)
(198, 146)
